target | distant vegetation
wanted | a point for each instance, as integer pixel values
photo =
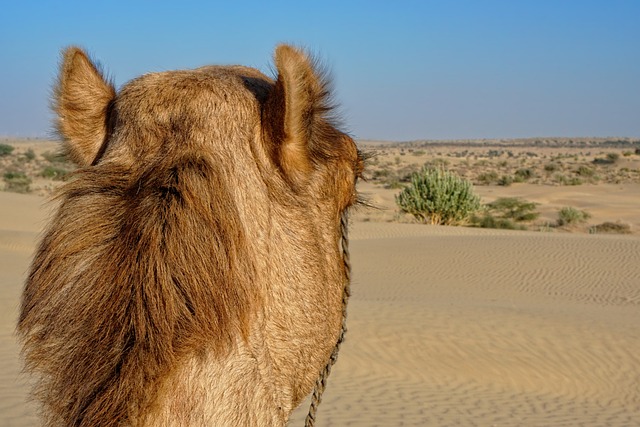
(510, 213)
(18, 182)
(572, 216)
(610, 228)
(505, 163)
(24, 171)
(535, 161)
(5, 150)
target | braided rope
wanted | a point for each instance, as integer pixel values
(321, 382)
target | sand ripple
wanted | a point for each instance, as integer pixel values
(460, 327)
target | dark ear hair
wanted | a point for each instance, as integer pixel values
(293, 111)
(82, 99)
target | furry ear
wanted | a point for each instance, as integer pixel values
(293, 110)
(82, 100)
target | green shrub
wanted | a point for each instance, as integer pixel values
(489, 221)
(55, 157)
(525, 174)
(438, 162)
(17, 182)
(551, 167)
(5, 149)
(585, 171)
(381, 174)
(30, 154)
(393, 184)
(571, 216)
(574, 180)
(609, 160)
(610, 228)
(437, 196)
(514, 208)
(54, 172)
(505, 180)
(613, 157)
(564, 180)
(488, 178)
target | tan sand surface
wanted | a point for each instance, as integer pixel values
(458, 326)
(447, 326)
(21, 219)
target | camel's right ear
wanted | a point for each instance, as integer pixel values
(82, 100)
(294, 111)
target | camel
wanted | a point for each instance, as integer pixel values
(193, 274)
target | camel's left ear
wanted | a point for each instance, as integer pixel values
(82, 99)
(293, 111)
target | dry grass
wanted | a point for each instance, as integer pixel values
(546, 162)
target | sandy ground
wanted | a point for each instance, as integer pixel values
(447, 326)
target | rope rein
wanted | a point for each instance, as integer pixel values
(321, 382)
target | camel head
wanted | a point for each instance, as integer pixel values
(202, 230)
(294, 123)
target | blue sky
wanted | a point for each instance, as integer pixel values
(402, 70)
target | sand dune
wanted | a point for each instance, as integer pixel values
(447, 327)
(21, 219)
(454, 326)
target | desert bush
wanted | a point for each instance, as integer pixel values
(405, 172)
(381, 174)
(571, 216)
(574, 180)
(488, 178)
(489, 221)
(564, 180)
(437, 163)
(437, 196)
(525, 174)
(585, 171)
(54, 157)
(505, 180)
(30, 155)
(393, 184)
(54, 172)
(610, 228)
(610, 159)
(513, 208)
(551, 167)
(17, 182)
(6, 149)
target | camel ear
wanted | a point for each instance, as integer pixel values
(293, 111)
(82, 100)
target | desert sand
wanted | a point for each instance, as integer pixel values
(448, 326)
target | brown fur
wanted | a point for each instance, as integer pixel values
(192, 274)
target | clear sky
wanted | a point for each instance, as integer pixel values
(402, 70)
